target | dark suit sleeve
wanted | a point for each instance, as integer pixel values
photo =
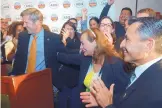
(70, 59)
(111, 106)
(121, 78)
(105, 11)
(18, 60)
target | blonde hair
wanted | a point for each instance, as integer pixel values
(103, 48)
(33, 13)
(149, 11)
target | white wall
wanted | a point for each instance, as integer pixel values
(154, 4)
(10, 9)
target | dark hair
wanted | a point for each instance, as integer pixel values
(13, 26)
(113, 25)
(150, 27)
(95, 19)
(128, 9)
(70, 24)
(73, 19)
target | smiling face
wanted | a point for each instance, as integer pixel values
(87, 47)
(133, 47)
(93, 24)
(4, 24)
(107, 29)
(30, 25)
(124, 16)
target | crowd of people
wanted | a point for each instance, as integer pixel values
(108, 65)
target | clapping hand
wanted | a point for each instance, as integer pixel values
(103, 95)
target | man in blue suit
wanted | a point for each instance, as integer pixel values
(142, 46)
(46, 46)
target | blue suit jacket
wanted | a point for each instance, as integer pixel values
(111, 73)
(52, 45)
(145, 92)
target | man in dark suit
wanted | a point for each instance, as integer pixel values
(142, 46)
(38, 43)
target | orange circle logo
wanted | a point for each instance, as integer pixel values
(41, 5)
(66, 4)
(79, 16)
(92, 3)
(54, 17)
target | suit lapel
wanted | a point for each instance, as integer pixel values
(26, 43)
(46, 44)
(86, 63)
(146, 74)
(104, 68)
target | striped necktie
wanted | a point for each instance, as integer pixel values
(132, 78)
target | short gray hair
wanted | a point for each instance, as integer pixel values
(150, 27)
(34, 14)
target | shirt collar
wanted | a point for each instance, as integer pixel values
(140, 69)
(38, 34)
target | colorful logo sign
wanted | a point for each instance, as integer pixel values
(79, 3)
(54, 17)
(66, 4)
(92, 3)
(53, 4)
(5, 6)
(66, 17)
(28, 5)
(17, 5)
(55, 30)
(41, 5)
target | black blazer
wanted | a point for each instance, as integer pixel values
(52, 45)
(69, 73)
(145, 92)
(111, 73)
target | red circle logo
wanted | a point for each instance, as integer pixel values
(17, 5)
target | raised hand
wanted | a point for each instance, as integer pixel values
(103, 95)
(65, 35)
(84, 13)
(110, 2)
(109, 37)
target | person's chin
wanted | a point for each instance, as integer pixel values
(127, 59)
(29, 32)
